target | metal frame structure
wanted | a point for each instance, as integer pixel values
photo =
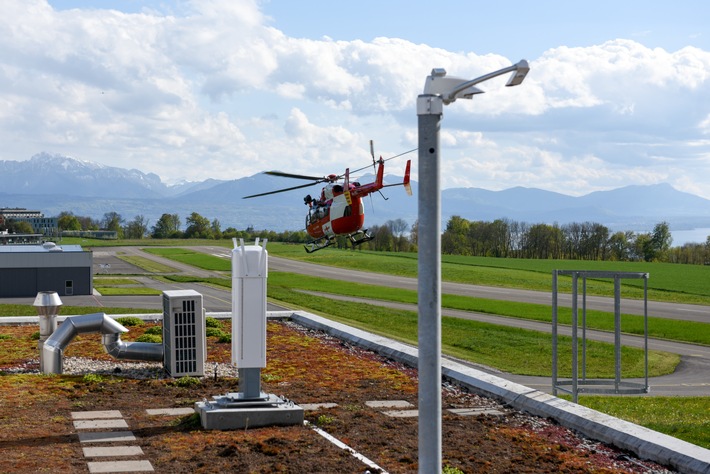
(577, 385)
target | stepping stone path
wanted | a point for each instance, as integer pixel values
(84, 421)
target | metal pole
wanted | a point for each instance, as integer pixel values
(575, 365)
(617, 332)
(645, 330)
(429, 112)
(584, 328)
(554, 332)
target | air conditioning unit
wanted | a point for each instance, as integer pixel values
(184, 344)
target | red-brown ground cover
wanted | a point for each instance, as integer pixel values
(37, 434)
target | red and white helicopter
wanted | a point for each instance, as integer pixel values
(339, 209)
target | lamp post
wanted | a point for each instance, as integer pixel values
(439, 90)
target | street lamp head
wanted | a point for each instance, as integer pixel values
(452, 88)
(521, 70)
(438, 83)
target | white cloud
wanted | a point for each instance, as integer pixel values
(212, 90)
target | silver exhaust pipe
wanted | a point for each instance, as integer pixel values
(132, 350)
(52, 360)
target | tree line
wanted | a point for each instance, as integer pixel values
(170, 226)
(573, 241)
(503, 238)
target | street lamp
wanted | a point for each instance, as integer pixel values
(439, 90)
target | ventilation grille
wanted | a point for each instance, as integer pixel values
(183, 333)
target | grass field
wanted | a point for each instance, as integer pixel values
(667, 282)
(191, 257)
(685, 331)
(513, 350)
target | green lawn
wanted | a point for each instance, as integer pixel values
(513, 350)
(686, 418)
(127, 291)
(194, 258)
(147, 264)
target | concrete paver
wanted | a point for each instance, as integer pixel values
(95, 415)
(401, 413)
(110, 451)
(119, 466)
(388, 404)
(103, 424)
(106, 436)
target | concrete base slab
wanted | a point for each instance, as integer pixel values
(389, 404)
(95, 415)
(110, 451)
(220, 416)
(106, 436)
(102, 424)
(120, 466)
(171, 411)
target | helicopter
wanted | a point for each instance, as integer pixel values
(339, 210)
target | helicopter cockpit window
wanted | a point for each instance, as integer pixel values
(318, 212)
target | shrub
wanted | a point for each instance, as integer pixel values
(214, 332)
(186, 381)
(324, 420)
(154, 330)
(211, 322)
(154, 338)
(130, 321)
(92, 378)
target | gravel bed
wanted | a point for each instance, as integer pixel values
(128, 369)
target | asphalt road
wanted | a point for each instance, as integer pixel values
(692, 377)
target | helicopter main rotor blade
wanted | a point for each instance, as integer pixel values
(384, 160)
(281, 190)
(296, 176)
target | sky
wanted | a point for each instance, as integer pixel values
(618, 92)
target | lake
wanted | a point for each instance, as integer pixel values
(696, 236)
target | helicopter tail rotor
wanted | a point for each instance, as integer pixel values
(407, 186)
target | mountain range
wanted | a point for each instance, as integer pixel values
(53, 183)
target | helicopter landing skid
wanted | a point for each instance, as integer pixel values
(360, 237)
(318, 244)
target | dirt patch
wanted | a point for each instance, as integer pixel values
(37, 434)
